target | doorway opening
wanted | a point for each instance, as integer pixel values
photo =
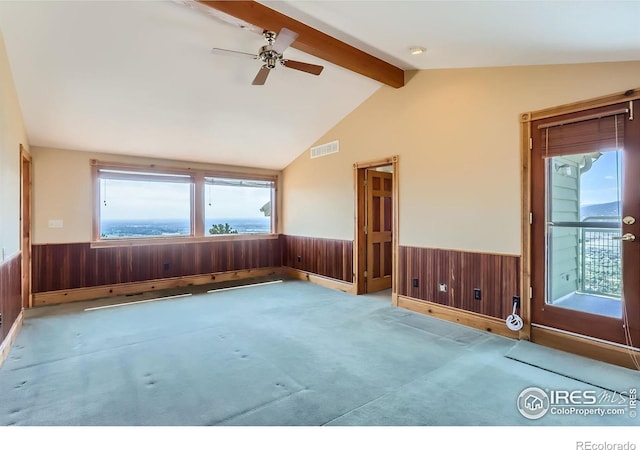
(25, 225)
(376, 222)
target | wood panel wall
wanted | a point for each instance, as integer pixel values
(497, 277)
(77, 265)
(10, 293)
(331, 258)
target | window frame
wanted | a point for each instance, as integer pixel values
(197, 203)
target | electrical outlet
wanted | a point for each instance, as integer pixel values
(442, 287)
(477, 294)
(415, 282)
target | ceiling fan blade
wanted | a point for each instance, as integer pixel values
(304, 67)
(222, 51)
(261, 77)
(284, 39)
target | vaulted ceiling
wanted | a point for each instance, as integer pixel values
(139, 78)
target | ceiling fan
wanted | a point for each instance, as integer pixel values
(271, 55)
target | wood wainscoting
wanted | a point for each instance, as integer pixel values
(10, 301)
(497, 277)
(77, 266)
(77, 271)
(331, 258)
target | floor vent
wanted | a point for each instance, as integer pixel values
(325, 149)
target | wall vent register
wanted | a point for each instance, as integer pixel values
(325, 149)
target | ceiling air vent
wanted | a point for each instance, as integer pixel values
(325, 149)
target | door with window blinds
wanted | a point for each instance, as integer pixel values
(585, 240)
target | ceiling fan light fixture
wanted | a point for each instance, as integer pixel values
(417, 50)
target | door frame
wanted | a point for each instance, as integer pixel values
(26, 176)
(359, 245)
(559, 339)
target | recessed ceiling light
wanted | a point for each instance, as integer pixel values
(417, 50)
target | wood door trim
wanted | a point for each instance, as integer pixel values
(597, 102)
(525, 265)
(376, 163)
(631, 250)
(25, 247)
(359, 261)
(395, 234)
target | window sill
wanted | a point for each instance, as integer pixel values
(132, 242)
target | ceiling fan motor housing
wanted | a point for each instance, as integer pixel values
(269, 57)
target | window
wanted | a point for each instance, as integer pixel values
(136, 203)
(583, 193)
(144, 204)
(237, 206)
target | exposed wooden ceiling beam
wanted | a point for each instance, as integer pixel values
(312, 41)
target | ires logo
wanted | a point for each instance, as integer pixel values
(562, 397)
(534, 402)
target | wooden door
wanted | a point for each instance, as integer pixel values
(585, 242)
(378, 230)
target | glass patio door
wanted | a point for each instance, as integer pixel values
(586, 235)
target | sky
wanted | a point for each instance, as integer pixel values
(600, 183)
